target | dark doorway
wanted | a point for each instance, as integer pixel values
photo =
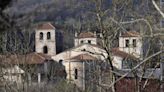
(45, 50)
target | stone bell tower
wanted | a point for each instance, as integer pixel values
(45, 39)
(131, 42)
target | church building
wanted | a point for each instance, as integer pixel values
(86, 49)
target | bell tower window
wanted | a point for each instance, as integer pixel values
(89, 41)
(134, 43)
(41, 36)
(45, 50)
(127, 43)
(81, 41)
(48, 35)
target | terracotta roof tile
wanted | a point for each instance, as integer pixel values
(83, 57)
(117, 52)
(44, 26)
(86, 35)
(32, 58)
(130, 34)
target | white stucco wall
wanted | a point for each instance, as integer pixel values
(117, 62)
(70, 70)
(13, 74)
(136, 51)
(96, 52)
(50, 43)
(77, 41)
(13, 78)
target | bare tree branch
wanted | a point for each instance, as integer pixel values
(137, 66)
(158, 9)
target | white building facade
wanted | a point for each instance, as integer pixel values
(85, 37)
(80, 70)
(13, 74)
(131, 43)
(45, 39)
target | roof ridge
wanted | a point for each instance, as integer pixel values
(39, 55)
(117, 52)
(51, 24)
(130, 34)
(45, 25)
(86, 34)
(82, 57)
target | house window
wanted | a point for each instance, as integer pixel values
(89, 41)
(134, 43)
(45, 50)
(76, 73)
(48, 35)
(82, 41)
(126, 43)
(41, 36)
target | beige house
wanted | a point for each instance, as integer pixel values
(20, 68)
(12, 74)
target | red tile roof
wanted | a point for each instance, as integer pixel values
(45, 26)
(117, 52)
(83, 57)
(86, 35)
(32, 58)
(130, 34)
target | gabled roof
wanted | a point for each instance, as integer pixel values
(80, 49)
(97, 46)
(86, 35)
(83, 57)
(31, 58)
(130, 34)
(45, 26)
(117, 52)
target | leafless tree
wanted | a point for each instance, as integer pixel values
(111, 25)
